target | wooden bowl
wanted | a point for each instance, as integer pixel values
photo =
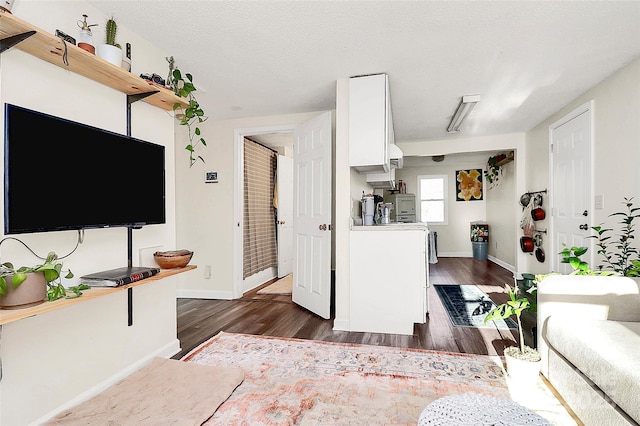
(172, 259)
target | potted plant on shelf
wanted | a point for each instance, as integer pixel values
(523, 362)
(493, 170)
(31, 285)
(190, 116)
(111, 51)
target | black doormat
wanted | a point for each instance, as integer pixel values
(467, 306)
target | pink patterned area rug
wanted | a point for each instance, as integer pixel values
(292, 381)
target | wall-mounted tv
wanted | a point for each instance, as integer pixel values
(64, 175)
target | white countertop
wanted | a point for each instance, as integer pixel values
(395, 226)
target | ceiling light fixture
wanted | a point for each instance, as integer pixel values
(464, 108)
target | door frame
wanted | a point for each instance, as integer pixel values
(238, 190)
(588, 108)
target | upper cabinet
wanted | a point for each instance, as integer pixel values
(46, 46)
(370, 123)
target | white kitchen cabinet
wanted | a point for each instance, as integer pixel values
(370, 123)
(388, 278)
(384, 180)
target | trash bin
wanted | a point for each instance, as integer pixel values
(480, 239)
(480, 251)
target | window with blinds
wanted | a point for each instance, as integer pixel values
(259, 240)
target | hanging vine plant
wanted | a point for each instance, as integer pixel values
(493, 171)
(190, 116)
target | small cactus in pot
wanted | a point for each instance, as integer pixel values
(111, 30)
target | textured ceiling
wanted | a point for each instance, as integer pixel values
(526, 59)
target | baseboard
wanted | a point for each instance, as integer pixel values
(499, 262)
(204, 294)
(341, 325)
(493, 259)
(166, 351)
(456, 254)
(258, 279)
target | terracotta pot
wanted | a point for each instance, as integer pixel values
(526, 244)
(538, 214)
(31, 292)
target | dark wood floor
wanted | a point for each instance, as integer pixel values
(272, 315)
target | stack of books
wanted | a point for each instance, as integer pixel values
(118, 277)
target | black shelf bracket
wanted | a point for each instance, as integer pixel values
(135, 98)
(9, 42)
(130, 264)
(139, 96)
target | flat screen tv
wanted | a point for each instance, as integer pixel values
(64, 175)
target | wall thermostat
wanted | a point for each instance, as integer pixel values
(211, 177)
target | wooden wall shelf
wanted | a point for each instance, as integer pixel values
(12, 315)
(50, 48)
(510, 157)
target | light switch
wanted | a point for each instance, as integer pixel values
(599, 202)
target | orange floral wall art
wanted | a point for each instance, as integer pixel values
(469, 185)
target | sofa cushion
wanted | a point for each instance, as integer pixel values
(607, 352)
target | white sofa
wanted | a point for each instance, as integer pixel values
(589, 340)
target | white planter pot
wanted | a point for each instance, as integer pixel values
(522, 370)
(111, 54)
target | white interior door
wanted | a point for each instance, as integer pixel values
(312, 215)
(285, 215)
(571, 139)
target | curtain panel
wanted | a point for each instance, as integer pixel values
(259, 239)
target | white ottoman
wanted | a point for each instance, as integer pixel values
(477, 410)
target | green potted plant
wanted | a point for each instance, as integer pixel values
(523, 362)
(190, 116)
(111, 51)
(31, 285)
(493, 170)
(620, 256)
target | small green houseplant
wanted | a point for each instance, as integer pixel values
(493, 171)
(110, 51)
(51, 268)
(190, 116)
(111, 31)
(523, 362)
(515, 306)
(620, 256)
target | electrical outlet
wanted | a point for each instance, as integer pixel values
(207, 271)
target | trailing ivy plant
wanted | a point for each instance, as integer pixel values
(52, 270)
(619, 254)
(190, 116)
(493, 171)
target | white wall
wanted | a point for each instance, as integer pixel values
(616, 147)
(54, 357)
(503, 225)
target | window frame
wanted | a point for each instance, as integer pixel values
(445, 199)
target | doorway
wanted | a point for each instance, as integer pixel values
(312, 196)
(279, 140)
